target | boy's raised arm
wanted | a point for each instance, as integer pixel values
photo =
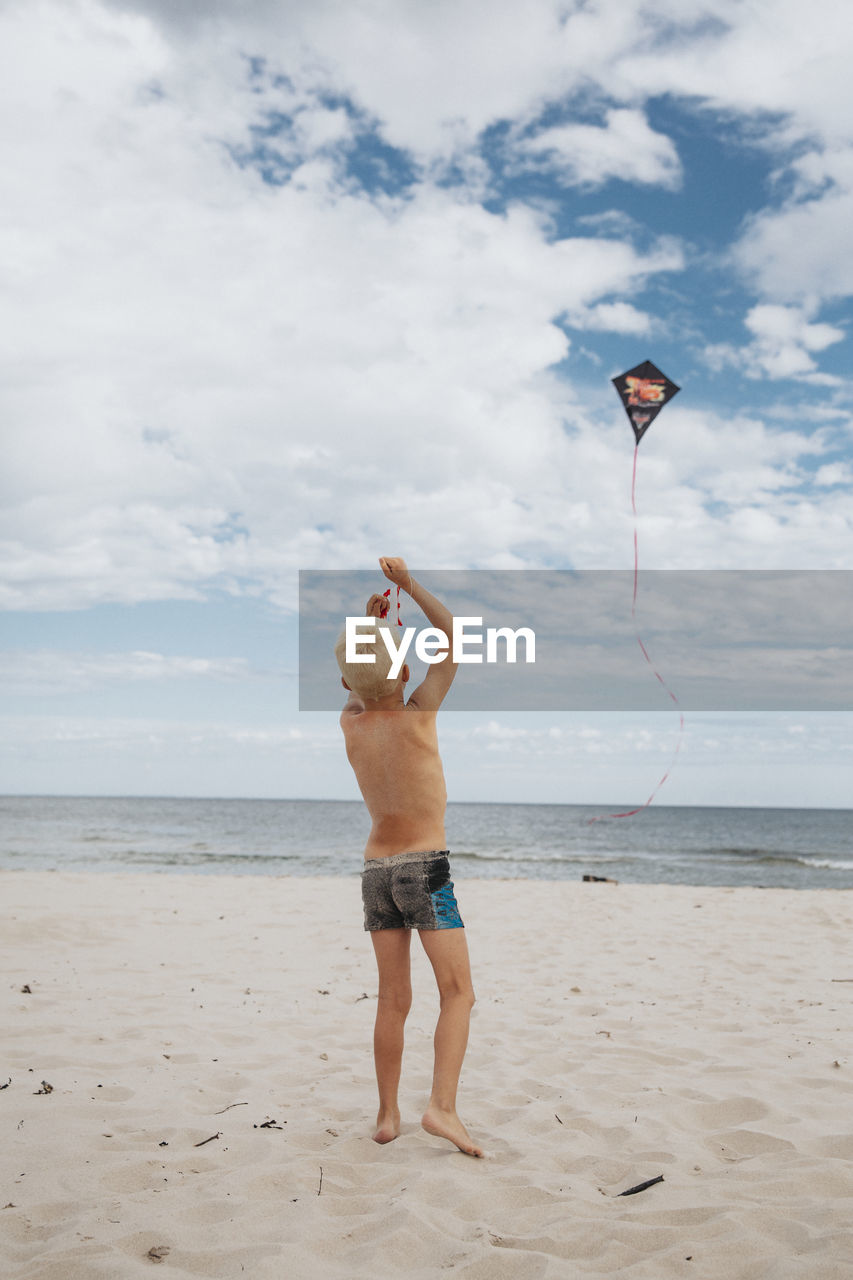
(430, 694)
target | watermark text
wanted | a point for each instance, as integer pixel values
(433, 645)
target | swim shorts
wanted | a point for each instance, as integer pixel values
(409, 891)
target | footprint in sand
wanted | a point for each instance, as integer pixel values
(727, 1113)
(743, 1144)
(838, 1146)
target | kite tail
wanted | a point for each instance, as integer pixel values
(631, 812)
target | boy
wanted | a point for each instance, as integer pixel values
(392, 746)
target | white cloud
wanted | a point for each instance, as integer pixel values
(144, 755)
(214, 380)
(221, 381)
(741, 759)
(615, 317)
(623, 147)
(784, 339)
(783, 83)
(434, 76)
(803, 252)
(44, 671)
(834, 473)
(761, 59)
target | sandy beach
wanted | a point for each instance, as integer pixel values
(621, 1032)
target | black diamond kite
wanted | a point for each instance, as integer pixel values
(644, 391)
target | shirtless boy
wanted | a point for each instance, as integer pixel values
(392, 746)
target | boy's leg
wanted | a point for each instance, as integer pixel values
(447, 950)
(393, 952)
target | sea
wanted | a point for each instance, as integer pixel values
(781, 848)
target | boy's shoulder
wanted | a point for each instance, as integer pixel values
(407, 714)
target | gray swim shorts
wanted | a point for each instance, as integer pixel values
(409, 891)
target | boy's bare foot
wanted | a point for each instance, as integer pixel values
(446, 1124)
(387, 1126)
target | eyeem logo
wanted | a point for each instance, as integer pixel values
(432, 644)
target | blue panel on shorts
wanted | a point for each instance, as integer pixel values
(446, 911)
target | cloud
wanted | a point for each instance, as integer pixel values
(783, 343)
(834, 473)
(780, 84)
(572, 740)
(434, 77)
(624, 147)
(803, 251)
(765, 63)
(614, 317)
(26, 673)
(216, 379)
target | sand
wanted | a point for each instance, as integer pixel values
(621, 1032)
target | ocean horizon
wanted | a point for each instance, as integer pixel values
(700, 845)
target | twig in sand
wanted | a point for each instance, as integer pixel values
(205, 1141)
(557, 1118)
(6, 1085)
(45, 1088)
(641, 1186)
(320, 1188)
(270, 1124)
(228, 1108)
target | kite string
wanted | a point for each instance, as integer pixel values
(388, 606)
(631, 812)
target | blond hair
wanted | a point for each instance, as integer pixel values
(368, 679)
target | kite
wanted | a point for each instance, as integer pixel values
(644, 391)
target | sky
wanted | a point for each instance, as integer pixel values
(291, 287)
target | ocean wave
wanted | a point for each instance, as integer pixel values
(829, 864)
(809, 858)
(560, 855)
(195, 857)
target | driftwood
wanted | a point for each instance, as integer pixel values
(205, 1141)
(320, 1188)
(642, 1186)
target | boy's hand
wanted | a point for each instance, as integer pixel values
(395, 569)
(376, 607)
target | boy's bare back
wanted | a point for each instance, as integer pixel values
(395, 758)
